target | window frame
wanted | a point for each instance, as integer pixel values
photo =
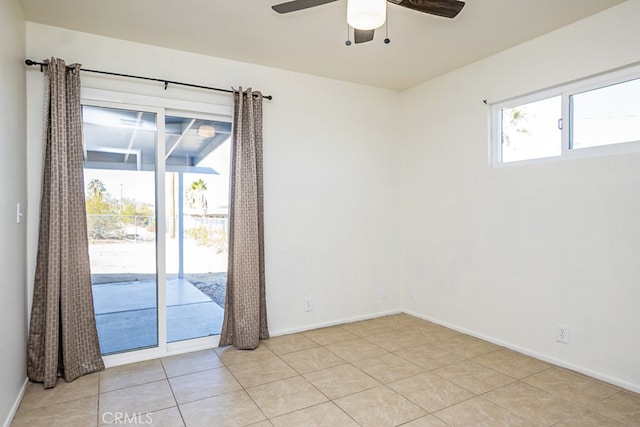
(565, 92)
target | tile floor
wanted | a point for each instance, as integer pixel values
(390, 371)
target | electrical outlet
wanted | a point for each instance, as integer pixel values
(562, 333)
(412, 292)
(308, 304)
(383, 293)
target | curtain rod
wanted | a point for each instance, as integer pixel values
(166, 82)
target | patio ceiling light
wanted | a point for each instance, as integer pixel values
(206, 131)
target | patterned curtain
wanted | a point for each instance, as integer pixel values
(63, 341)
(245, 311)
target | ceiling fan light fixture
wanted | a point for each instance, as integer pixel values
(366, 14)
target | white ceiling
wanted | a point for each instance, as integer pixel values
(312, 41)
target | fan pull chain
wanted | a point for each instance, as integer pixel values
(386, 27)
(348, 42)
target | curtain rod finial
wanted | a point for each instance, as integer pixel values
(30, 62)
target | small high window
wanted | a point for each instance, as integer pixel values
(595, 116)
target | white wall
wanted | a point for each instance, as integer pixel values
(331, 170)
(507, 253)
(13, 189)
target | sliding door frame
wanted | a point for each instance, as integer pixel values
(158, 106)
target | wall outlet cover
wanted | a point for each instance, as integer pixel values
(562, 333)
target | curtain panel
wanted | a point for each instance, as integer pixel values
(63, 340)
(245, 311)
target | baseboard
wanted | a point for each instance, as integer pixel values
(541, 356)
(287, 331)
(16, 404)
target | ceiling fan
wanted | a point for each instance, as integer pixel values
(364, 16)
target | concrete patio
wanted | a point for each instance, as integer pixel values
(126, 314)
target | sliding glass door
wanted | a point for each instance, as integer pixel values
(120, 189)
(156, 186)
(197, 196)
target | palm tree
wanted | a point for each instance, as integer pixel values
(102, 211)
(197, 196)
(96, 189)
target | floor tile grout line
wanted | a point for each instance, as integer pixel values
(244, 389)
(522, 416)
(482, 396)
(313, 385)
(98, 400)
(586, 406)
(129, 367)
(173, 393)
(194, 372)
(555, 396)
(51, 405)
(150, 411)
(134, 385)
(355, 360)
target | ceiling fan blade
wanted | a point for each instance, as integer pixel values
(444, 8)
(363, 36)
(294, 5)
